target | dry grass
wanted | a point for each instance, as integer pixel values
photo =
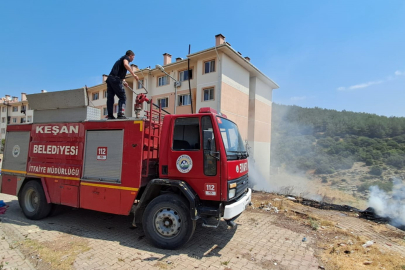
(339, 248)
(163, 265)
(336, 196)
(348, 253)
(59, 254)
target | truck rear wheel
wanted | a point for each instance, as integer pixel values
(33, 201)
(167, 222)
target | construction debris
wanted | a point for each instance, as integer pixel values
(368, 244)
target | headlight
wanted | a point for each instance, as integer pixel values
(232, 193)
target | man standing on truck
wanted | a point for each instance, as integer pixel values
(114, 84)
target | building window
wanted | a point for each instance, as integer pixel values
(140, 83)
(22, 120)
(209, 66)
(105, 93)
(163, 80)
(184, 100)
(163, 102)
(15, 108)
(29, 119)
(3, 119)
(95, 96)
(183, 75)
(105, 112)
(3, 109)
(14, 120)
(3, 130)
(208, 94)
(115, 108)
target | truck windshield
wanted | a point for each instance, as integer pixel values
(233, 143)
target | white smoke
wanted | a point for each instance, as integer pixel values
(282, 183)
(389, 205)
(256, 180)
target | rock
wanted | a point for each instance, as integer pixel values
(367, 262)
(321, 267)
(266, 209)
(368, 244)
(291, 198)
(168, 262)
(350, 242)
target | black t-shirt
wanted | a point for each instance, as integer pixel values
(119, 69)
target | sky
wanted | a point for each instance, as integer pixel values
(342, 55)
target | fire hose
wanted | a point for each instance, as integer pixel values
(140, 98)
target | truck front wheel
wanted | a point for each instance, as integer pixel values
(33, 201)
(167, 222)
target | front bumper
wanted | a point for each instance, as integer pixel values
(234, 209)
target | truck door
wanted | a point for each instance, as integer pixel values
(190, 160)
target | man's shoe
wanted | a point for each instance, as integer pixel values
(110, 117)
(121, 117)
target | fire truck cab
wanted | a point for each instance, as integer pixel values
(169, 171)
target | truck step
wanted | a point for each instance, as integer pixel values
(211, 224)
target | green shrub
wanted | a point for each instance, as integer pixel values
(376, 170)
(385, 186)
(324, 169)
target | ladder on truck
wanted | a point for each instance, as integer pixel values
(152, 133)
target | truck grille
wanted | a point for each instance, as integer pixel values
(241, 185)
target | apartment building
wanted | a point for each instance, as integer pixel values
(220, 78)
(14, 111)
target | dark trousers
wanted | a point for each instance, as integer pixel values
(114, 87)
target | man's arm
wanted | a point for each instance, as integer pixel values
(126, 65)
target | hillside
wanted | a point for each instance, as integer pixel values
(328, 140)
(339, 150)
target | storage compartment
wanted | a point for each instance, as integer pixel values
(9, 185)
(103, 155)
(16, 152)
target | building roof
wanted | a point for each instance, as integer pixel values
(225, 48)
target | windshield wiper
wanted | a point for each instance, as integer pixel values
(240, 154)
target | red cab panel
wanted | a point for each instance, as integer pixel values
(237, 168)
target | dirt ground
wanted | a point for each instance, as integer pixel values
(340, 236)
(274, 233)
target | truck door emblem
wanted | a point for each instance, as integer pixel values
(16, 151)
(184, 164)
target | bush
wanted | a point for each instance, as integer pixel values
(396, 161)
(369, 162)
(324, 169)
(385, 186)
(376, 170)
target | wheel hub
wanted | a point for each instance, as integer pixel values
(167, 222)
(31, 200)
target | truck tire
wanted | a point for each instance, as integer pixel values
(33, 201)
(167, 222)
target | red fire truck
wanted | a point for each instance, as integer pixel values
(168, 170)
